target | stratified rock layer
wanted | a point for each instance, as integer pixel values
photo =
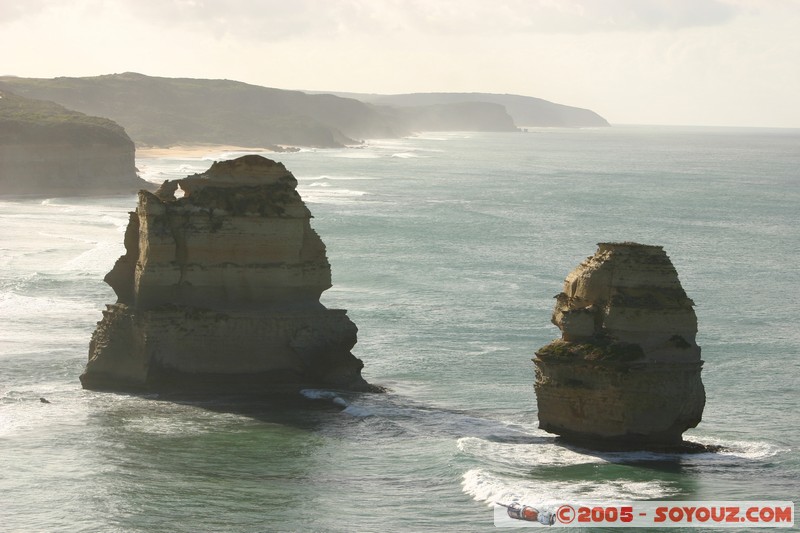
(219, 291)
(626, 371)
(46, 149)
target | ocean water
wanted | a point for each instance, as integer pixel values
(446, 250)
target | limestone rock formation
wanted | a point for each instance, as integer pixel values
(48, 149)
(626, 371)
(219, 291)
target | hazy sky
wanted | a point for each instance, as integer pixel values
(703, 62)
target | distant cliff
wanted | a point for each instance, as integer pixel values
(167, 111)
(458, 116)
(525, 111)
(48, 149)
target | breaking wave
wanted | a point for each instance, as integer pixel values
(490, 487)
(329, 195)
(538, 472)
(336, 399)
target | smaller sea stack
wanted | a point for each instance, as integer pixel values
(626, 372)
(218, 292)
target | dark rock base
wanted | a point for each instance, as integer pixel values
(618, 404)
(681, 447)
(185, 349)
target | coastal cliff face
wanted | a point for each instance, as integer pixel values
(524, 111)
(626, 371)
(219, 290)
(160, 111)
(48, 149)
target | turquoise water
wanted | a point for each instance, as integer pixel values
(447, 250)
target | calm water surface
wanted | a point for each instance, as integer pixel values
(447, 250)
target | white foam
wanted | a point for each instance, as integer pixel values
(61, 207)
(120, 222)
(441, 136)
(514, 454)
(349, 408)
(316, 394)
(430, 138)
(490, 488)
(18, 305)
(495, 484)
(22, 411)
(330, 196)
(19, 419)
(735, 450)
(325, 177)
(356, 411)
(358, 154)
(96, 259)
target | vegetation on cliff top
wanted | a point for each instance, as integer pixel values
(159, 111)
(599, 349)
(29, 120)
(168, 111)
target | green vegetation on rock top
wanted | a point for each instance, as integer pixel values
(25, 119)
(599, 349)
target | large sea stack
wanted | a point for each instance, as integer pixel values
(219, 289)
(626, 371)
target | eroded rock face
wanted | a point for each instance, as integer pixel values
(626, 371)
(219, 290)
(47, 149)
